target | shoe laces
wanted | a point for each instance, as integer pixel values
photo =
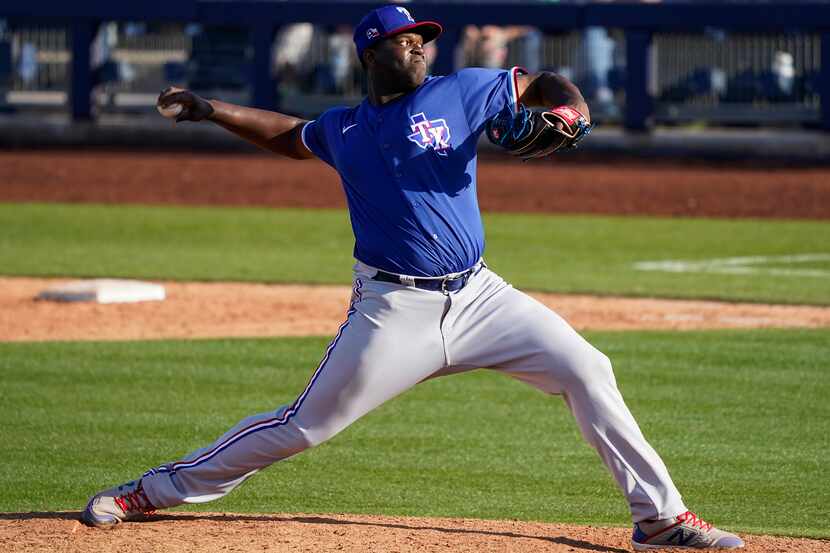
(135, 501)
(694, 521)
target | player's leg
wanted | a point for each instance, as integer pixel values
(369, 362)
(493, 325)
(507, 330)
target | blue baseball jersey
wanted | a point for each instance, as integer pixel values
(408, 168)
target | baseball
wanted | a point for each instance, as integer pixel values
(173, 110)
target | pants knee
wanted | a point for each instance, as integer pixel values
(295, 437)
(310, 431)
(590, 370)
(315, 435)
(277, 435)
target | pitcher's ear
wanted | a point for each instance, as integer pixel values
(368, 57)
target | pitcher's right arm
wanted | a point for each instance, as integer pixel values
(270, 130)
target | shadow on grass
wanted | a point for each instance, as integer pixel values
(75, 515)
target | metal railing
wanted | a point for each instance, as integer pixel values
(663, 63)
(737, 77)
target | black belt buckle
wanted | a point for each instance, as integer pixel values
(443, 285)
(463, 277)
(444, 289)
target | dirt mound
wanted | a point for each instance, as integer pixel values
(209, 533)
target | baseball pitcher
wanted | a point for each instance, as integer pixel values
(424, 302)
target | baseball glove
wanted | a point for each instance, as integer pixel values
(533, 134)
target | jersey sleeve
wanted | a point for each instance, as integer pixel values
(485, 92)
(316, 135)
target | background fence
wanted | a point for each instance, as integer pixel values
(638, 64)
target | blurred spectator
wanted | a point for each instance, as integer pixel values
(597, 57)
(105, 68)
(315, 59)
(776, 84)
(702, 82)
(292, 47)
(487, 46)
(105, 40)
(342, 57)
(783, 73)
(27, 63)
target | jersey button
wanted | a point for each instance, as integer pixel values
(435, 237)
(398, 174)
(386, 146)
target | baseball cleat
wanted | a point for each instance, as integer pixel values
(686, 531)
(116, 505)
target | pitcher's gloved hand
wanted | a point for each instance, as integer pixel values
(194, 107)
(532, 134)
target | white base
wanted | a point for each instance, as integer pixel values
(104, 290)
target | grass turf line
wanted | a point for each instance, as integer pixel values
(539, 252)
(740, 417)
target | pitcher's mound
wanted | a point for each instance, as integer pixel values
(244, 533)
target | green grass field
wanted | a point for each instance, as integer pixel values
(536, 252)
(741, 418)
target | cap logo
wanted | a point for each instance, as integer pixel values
(405, 12)
(372, 33)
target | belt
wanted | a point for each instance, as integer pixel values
(445, 284)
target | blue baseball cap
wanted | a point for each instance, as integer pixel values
(388, 21)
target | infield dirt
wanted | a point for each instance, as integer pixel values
(685, 188)
(223, 532)
(217, 310)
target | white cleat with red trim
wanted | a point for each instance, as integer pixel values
(685, 531)
(116, 505)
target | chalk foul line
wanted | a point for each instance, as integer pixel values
(757, 265)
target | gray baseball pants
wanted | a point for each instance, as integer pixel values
(396, 336)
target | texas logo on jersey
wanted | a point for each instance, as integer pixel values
(430, 133)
